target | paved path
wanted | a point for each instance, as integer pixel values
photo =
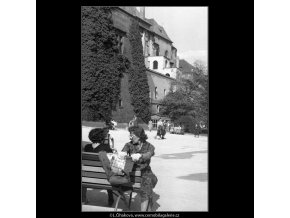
(180, 163)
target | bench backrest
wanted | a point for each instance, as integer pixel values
(94, 176)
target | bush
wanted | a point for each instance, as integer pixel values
(188, 122)
(102, 64)
(138, 82)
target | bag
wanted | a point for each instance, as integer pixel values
(121, 164)
(117, 180)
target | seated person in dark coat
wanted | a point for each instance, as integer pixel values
(141, 152)
(100, 139)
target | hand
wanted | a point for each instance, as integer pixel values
(122, 153)
(136, 157)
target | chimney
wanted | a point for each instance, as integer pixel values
(142, 10)
(177, 62)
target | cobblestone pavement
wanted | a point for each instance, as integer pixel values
(180, 163)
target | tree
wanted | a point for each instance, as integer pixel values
(189, 99)
(102, 65)
(138, 82)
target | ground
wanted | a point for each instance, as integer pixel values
(181, 166)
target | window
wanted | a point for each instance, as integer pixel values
(157, 108)
(167, 74)
(155, 92)
(120, 43)
(156, 48)
(166, 63)
(164, 92)
(166, 53)
(120, 103)
(155, 65)
(157, 51)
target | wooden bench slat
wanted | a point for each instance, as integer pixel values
(104, 176)
(101, 170)
(90, 156)
(92, 163)
(103, 181)
(94, 175)
(98, 186)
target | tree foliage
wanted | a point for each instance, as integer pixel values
(189, 99)
(138, 82)
(102, 65)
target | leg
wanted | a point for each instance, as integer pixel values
(124, 199)
(106, 163)
(150, 205)
(130, 199)
(110, 198)
(84, 195)
(118, 199)
(144, 205)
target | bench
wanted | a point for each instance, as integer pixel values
(94, 176)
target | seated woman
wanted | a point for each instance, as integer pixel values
(100, 139)
(141, 152)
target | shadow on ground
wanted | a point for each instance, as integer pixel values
(136, 203)
(98, 197)
(184, 155)
(201, 177)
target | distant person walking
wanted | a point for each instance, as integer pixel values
(160, 129)
(197, 130)
(150, 125)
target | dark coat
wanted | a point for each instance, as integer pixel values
(101, 147)
(149, 180)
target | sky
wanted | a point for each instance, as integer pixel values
(186, 27)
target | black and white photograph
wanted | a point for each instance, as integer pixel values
(144, 108)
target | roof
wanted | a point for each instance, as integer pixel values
(159, 74)
(134, 12)
(156, 28)
(131, 10)
(185, 66)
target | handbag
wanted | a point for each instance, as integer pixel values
(121, 164)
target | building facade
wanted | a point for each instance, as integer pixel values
(160, 58)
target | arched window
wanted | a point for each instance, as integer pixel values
(155, 92)
(167, 74)
(156, 49)
(166, 63)
(155, 65)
